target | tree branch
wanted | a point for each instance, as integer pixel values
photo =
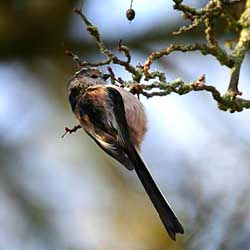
(179, 87)
(207, 16)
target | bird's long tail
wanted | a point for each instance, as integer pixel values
(168, 217)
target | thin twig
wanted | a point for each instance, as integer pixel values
(94, 32)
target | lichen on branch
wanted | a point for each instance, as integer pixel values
(206, 19)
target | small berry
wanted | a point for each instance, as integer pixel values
(130, 13)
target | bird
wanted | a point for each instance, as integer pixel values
(116, 120)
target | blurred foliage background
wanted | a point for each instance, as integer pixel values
(66, 193)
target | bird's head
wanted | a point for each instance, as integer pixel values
(81, 81)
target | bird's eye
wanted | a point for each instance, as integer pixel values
(94, 76)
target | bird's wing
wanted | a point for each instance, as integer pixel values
(95, 111)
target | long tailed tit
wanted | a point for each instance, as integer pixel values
(116, 121)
